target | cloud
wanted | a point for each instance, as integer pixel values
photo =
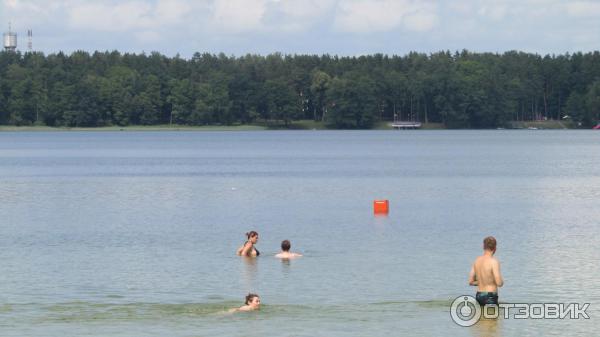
(266, 16)
(19, 11)
(370, 16)
(494, 11)
(173, 11)
(131, 15)
(296, 16)
(305, 9)
(125, 16)
(583, 9)
(143, 22)
(422, 19)
(235, 16)
(328, 26)
(11, 3)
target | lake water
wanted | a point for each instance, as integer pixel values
(134, 234)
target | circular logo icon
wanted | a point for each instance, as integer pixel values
(465, 311)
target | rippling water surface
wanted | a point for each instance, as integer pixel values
(134, 234)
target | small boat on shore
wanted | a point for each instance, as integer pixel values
(597, 127)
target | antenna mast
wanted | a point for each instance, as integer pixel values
(30, 40)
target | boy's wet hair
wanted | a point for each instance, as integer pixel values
(489, 243)
(285, 245)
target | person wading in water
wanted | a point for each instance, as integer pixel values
(485, 274)
(248, 248)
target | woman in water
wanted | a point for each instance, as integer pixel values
(252, 303)
(248, 248)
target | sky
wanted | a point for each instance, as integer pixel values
(336, 27)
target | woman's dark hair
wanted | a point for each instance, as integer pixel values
(251, 234)
(285, 245)
(250, 297)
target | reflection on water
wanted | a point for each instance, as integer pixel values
(487, 327)
(286, 263)
(249, 272)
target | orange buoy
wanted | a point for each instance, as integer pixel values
(381, 206)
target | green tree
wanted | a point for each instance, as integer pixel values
(352, 102)
(281, 102)
(577, 109)
(318, 88)
(148, 101)
(219, 103)
(593, 104)
(181, 101)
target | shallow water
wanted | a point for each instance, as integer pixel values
(133, 234)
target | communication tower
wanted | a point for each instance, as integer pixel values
(30, 40)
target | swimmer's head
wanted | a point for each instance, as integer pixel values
(252, 236)
(489, 243)
(286, 245)
(253, 301)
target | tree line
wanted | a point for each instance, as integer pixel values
(460, 90)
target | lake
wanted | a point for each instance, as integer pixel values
(134, 233)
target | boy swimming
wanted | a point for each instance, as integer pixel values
(285, 251)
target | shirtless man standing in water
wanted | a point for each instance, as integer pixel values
(485, 274)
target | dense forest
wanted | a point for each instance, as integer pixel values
(460, 90)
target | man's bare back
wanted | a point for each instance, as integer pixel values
(485, 274)
(287, 255)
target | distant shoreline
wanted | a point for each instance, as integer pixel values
(297, 125)
(136, 128)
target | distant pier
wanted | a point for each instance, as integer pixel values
(406, 125)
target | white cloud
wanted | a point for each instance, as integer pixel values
(584, 9)
(171, 11)
(11, 3)
(494, 11)
(237, 16)
(367, 16)
(304, 10)
(420, 21)
(23, 8)
(124, 16)
(296, 16)
(145, 21)
(266, 16)
(460, 7)
(105, 16)
(332, 26)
